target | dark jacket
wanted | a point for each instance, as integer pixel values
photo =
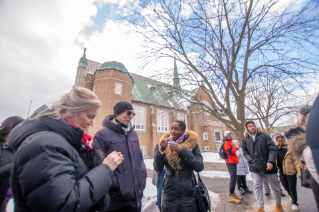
(259, 152)
(130, 175)
(6, 158)
(48, 173)
(230, 150)
(179, 193)
(155, 173)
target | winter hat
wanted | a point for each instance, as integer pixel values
(227, 134)
(122, 106)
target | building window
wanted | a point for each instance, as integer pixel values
(162, 121)
(205, 136)
(139, 118)
(217, 136)
(206, 148)
(182, 117)
(143, 150)
(118, 88)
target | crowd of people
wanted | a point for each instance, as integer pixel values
(49, 163)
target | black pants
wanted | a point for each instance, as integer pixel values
(232, 169)
(241, 181)
(128, 209)
(315, 190)
(289, 182)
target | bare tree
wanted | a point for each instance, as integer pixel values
(225, 45)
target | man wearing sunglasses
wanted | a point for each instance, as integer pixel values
(129, 179)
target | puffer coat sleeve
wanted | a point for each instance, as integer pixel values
(194, 159)
(51, 176)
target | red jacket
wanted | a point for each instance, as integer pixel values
(230, 149)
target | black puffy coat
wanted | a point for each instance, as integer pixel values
(48, 173)
(130, 175)
(179, 193)
(260, 152)
(6, 158)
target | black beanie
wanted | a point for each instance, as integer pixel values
(122, 106)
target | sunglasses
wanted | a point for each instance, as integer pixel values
(129, 113)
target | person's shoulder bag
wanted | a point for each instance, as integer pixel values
(202, 196)
(305, 175)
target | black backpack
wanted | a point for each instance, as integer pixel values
(222, 152)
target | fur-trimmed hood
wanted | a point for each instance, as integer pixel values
(296, 138)
(259, 130)
(172, 156)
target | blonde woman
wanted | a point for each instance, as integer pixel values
(48, 173)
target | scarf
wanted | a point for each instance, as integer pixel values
(180, 139)
(125, 129)
(85, 139)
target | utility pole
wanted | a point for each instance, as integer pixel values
(29, 109)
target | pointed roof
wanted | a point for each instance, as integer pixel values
(83, 58)
(176, 76)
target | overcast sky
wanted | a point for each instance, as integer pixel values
(41, 43)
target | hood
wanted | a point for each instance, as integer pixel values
(117, 127)
(72, 134)
(172, 157)
(227, 139)
(259, 130)
(297, 141)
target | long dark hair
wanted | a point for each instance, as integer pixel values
(8, 125)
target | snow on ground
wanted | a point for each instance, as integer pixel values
(149, 164)
(219, 174)
(212, 157)
(149, 199)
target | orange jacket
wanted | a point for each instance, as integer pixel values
(230, 149)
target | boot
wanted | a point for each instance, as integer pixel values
(247, 190)
(233, 199)
(237, 197)
(267, 193)
(241, 191)
(260, 210)
(279, 208)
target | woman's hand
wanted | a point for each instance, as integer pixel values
(239, 154)
(163, 145)
(175, 147)
(112, 160)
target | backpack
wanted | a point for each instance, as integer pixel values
(222, 152)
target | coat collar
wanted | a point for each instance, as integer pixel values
(259, 130)
(172, 156)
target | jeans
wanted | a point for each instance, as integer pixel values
(272, 180)
(159, 187)
(232, 169)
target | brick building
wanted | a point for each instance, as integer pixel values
(153, 102)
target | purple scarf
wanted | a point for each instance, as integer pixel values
(180, 139)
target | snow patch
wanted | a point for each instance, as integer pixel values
(212, 157)
(149, 163)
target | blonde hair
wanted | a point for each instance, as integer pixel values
(74, 102)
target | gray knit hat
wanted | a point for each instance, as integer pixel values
(304, 110)
(227, 134)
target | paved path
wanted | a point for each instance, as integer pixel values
(220, 186)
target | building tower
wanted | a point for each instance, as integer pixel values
(176, 76)
(112, 83)
(81, 71)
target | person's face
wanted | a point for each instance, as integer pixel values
(236, 143)
(125, 117)
(85, 119)
(281, 141)
(251, 128)
(231, 136)
(176, 131)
